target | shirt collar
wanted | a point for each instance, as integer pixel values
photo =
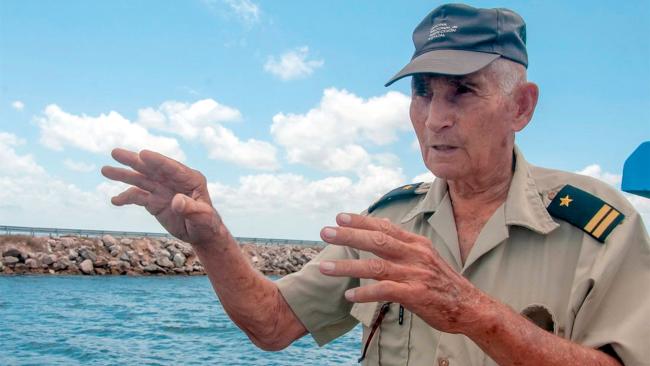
(437, 191)
(523, 206)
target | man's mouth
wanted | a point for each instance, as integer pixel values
(444, 148)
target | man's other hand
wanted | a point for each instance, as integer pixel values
(175, 194)
(408, 271)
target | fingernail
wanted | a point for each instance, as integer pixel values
(349, 294)
(345, 218)
(329, 232)
(327, 266)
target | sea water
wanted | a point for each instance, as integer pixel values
(107, 320)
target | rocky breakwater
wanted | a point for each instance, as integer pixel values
(109, 255)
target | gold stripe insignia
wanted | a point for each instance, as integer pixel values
(582, 209)
(605, 224)
(597, 218)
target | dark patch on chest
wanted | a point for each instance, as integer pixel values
(541, 316)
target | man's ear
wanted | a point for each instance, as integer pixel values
(525, 98)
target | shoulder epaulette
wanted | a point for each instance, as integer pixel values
(585, 211)
(402, 192)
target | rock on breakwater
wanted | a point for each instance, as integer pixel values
(108, 255)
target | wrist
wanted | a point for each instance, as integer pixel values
(486, 318)
(219, 242)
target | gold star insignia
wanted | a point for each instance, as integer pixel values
(407, 187)
(564, 201)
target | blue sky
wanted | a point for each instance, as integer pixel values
(280, 104)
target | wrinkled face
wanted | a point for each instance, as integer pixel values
(463, 124)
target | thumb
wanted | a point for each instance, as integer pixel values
(187, 207)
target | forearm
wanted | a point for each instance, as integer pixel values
(510, 339)
(251, 300)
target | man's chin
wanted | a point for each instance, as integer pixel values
(446, 170)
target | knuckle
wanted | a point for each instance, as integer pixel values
(419, 240)
(385, 226)
(379, 239)
(377, 266)
(426, 276)
(426, 259)
(200, 176)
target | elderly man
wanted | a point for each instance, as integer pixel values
(496, 261)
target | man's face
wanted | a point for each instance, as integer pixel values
(462, 124)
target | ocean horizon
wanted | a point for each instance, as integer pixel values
(163, 320)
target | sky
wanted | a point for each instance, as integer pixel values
(280, 104)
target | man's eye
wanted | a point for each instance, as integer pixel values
(421, 91)
(462, 89)
(420, 87)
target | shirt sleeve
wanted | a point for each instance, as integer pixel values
(318, 300)
(616, 310)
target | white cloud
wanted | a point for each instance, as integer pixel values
(222, 144)
(415, 144)
(187, 120)
(595, 171)
(268, 204)
(100, 134)
(292, 64)
(641, 204)
(202, 121)
(79, 166)
(18, 105)
(424, 177)
(245, 10)
(45, 201)
(272, 193)
(330, 136)
(12, 164)
(29, 196)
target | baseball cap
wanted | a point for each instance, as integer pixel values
(457, 39)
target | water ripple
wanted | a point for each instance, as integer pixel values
(47, 320)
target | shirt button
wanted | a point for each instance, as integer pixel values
(443, 361)
(551, 195)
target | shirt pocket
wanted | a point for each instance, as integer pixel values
(390, 343)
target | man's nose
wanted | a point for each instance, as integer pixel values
(440, 115)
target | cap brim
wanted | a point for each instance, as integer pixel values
(446, 62)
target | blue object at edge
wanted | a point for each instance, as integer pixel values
(636, 171)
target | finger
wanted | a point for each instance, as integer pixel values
(375, 224)
(129, 177)
(376, 242)
(378, 291)
(133, 195)
(167, 170)
(377, 269)
(129, 158)
(187, 207)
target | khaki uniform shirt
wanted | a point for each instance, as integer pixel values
(596, 294)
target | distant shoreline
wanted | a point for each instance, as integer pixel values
(133, 256)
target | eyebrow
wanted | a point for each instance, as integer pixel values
(471, 82)
(466, 81)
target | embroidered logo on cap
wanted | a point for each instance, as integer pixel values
(441, 30)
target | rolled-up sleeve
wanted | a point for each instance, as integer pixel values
(318, 300)
(616, 311)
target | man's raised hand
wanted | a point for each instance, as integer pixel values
(175, 194)
(407, 270)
